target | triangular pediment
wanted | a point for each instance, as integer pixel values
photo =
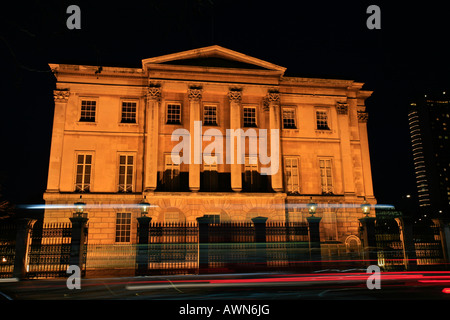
(215, 57)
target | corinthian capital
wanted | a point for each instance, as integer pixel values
(235, 95)
(154, 93)
(195, 93)
(273, 97)
(61, 95)
(342, 107)
(363, 116)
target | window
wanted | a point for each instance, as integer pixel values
(326, 176)
(88, 110)
(128, 112)
(210, 115)
(291, 175)
(126, 164)
(171, 176)
(173, 113)
(252, 181)
(83, 175)
(249, 116)
(322, 120)
(289, 118)
(210, 178)
(210, 163)
(123, 226)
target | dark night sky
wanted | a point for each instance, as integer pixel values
(329, 39)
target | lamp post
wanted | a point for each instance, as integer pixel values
(144, 205)
(312, 207)
(365, 208)
(142, 258)
(79, 208)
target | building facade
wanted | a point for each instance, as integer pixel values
(429, 125)
(118, 133)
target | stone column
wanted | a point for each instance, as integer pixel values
(406, 235)
(260, 240)
(151, 138)
(314, 239)
(365, 155)
(77, 244)
(195, 96)
(346, 151)
(369, 240)
(61, 97)
(142, 252)
(273, 101)
(203, 243)
(235, 97)
(24, 227)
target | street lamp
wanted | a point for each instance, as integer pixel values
(144, 205)
(79, 208)
(365, 207)
(312, 207)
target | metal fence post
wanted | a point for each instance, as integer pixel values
(77, 243)
(369, 239)
(142, 258)
(24, 227)
(203, 242)
(260, 239)
(314, 239)
(407, 237)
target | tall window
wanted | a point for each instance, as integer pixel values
(210, 115)
(88, 110)
(289, 118)
(251, 181)
(84, 169)
(128, 112)
(322, 120)
(123, 226)
(171, 178)
(126, 164)
(326, 177)
(173, 113)
(249, 117)
(291, 175)
(210, 180)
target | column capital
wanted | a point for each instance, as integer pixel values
(61, 95)
(273, 97)
(235, 95)
(154, 93)
(195, 93)
(363, 116)
(342, 107)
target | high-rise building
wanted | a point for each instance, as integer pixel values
(122, 134)
(429, 124)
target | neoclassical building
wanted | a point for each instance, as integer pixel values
(118, 133)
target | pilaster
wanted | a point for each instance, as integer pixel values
(151, 138)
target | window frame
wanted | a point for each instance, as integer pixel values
(83, 183)
(294, 118)
(329, 189)
(133, 172)
(121, 112)
(118, 228)
(326, 111)
(285, 170)
(80, 111)
(216, 106)
(168, 103)
(255, 107)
